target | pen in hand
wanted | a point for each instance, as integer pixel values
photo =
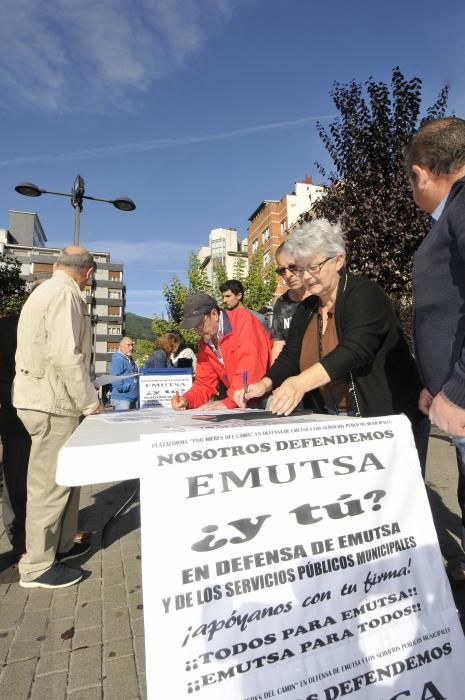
(245, 384)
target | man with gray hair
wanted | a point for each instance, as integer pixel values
(52, 390)
(435, 163)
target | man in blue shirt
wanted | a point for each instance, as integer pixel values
(124, 394)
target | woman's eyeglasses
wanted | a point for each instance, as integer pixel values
(300, 271)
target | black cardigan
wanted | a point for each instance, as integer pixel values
(372, 354)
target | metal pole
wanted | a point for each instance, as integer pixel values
(77, 221)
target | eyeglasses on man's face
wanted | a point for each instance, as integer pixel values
(201, 325)
(311, 269)
(282, 269)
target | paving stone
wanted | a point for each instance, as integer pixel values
(113, 575)
(52, 686)
(137, 627)
(142, 686)
(52, 663)
(89, 590)
(114, 596)
(111, 557)
(121, 681)
(87, 637)
(116, 624)
(16, 680)
(54, 641)
(12, 608)
(63, 606)
(139, 650)
(88, 615)
(6, 638)
(117, 648)
(33, 625)
(85, 668)
(23, 650)
(95, 693)
(39, 599)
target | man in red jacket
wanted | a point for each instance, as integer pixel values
(234, 348)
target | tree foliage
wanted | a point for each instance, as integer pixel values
(142, 349)
(370, 192)
(259, 284)
(197, 276)
(12, 287)
(219, 276)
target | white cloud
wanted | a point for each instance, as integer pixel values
(90, 55)
(158, 144)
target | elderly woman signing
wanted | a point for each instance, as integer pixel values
(345, 352)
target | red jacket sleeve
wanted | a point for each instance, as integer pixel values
(207, 374)
(249, 350)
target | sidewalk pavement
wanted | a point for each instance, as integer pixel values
(86, 642)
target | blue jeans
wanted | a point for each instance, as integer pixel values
(123, 404)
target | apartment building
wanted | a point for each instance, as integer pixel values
(225, 247)
(273, 219)
(25, 240)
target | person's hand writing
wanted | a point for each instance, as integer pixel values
(254, 391)
(179, 403)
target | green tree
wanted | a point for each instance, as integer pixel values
(197, 276)
(239, 268)
(175, 293)
(219, 276)
(12, 287)
(259, 284)
(142, 349)
(369, 190)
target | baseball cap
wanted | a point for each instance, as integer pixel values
(196, 306)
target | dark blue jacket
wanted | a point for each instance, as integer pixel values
(439, 293)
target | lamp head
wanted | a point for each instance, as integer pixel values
(28, 189)
(124, 204)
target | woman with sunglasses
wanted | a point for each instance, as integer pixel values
(345, 353)
(286, 305)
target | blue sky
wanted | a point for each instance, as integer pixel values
(196, 109)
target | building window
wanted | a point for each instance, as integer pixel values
(114, 330)
(114, 275)
(114, 293)
(266, 258)
(255, 245)
(283, 227)
(43, 267)
(114, 311)
(112, 347)
(266, 234)
(218, 250)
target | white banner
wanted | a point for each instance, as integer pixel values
(158, 389)
(296, 561)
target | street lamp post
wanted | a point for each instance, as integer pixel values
(77, 195)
